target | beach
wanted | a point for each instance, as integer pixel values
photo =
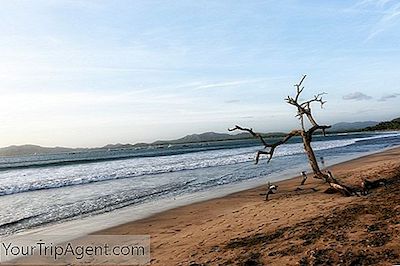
(200, 133)
(295, 227)
(124, 185)
(299, 225)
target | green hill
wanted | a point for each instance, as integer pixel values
(387, 125)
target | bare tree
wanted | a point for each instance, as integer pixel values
(304, 114)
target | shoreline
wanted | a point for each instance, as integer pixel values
(293, 227)
(76, 228)
(280, 182)
(213, 220)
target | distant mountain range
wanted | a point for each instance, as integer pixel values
(349, 126)
(193, 138)
(28, 149)
(207, 136)
(212, 136)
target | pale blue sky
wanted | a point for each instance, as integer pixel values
(88, 73)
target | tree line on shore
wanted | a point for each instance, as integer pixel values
(387, 125)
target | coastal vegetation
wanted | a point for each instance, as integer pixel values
(387, 125)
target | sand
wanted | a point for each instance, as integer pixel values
(306, 227)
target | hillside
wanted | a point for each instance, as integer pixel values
(351, 126)
(203, 137)
(387, 125)
(28, 149)
(118, 146)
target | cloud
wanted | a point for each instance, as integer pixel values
(233, 83)
(390, 14)
(357, 96)
(379, 3)
(232, 101)
(388, 97)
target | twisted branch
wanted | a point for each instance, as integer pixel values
(250, 130)
(304, 108)
(272, 146)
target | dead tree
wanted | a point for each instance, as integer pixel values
(304, 114)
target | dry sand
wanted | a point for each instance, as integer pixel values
(306, 227)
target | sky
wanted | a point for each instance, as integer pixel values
(88, 73)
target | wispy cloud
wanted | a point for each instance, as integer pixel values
(379, 3)
(228, 83)
(390, 14)
(386, 97)
(357, 96)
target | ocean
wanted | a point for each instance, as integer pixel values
(41, 190)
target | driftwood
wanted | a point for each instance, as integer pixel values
(304, 114)
(304, 176)
(367, 185)
(340, 187)
(271, 189)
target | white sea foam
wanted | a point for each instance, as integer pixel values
(22, 180)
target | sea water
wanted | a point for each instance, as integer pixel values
(41, 190)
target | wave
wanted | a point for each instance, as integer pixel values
(59, 160)
(83, 208)
(381, 136)
(25, 180)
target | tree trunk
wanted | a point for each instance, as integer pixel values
(311, 157)
(333, 183)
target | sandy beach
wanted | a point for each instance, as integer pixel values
(295, 227)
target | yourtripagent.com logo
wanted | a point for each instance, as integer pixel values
(93, 250)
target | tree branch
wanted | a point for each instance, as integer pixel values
(317, 127)
(272, 146)
(304, 108)
(250, 130)
(299, 89)
(317, 98)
